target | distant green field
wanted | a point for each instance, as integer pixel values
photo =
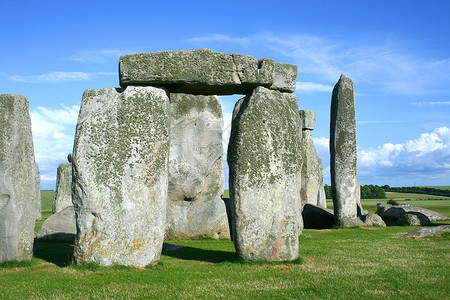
(440, 187)
(410, 196)
(46, 206)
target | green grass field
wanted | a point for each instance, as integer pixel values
(359, 263)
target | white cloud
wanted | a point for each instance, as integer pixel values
(428, 155)
(313, 87)
(53, 135)
(99, 55)
(221, 38)
(431, 103)
(387, 65)
(58, 77)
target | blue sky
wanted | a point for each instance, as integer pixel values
(396, 52)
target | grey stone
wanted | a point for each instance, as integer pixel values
(413, 219)
(394, 212)
(322, 197)
(312, 172)
(428, 232)
(196, 178)
(63, 193)
(308, 118)
(60, 226)
(315, 217)
(372, 220)
(344, 182)
(19, 180)
(120, 169)
(203, 71)
(265, 160)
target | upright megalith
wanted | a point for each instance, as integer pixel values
(203, 71)
(63, 193)
(344, 182)
(312, 171)
(264, 156)
(120, 175)
(196, 178)
(19, 180)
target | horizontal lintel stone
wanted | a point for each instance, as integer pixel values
(203, 71)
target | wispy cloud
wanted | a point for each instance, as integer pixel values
(431, 103)
(313, 87)
(223, 38)
(58, 77)
(99, 55)
(380, 121)
(53, 135)
(386, 65)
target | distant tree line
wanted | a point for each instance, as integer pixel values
(417, 190)
(367, 192)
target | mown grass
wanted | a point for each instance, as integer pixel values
(351, 263)
(360, 263)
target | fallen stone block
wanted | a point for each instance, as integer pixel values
(59, 227)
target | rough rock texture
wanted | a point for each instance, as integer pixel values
(321, 197)
(315, 217)
(393, 212)
(372, 220)
(63, 193)
(312, 172)
(19, 180)
(427, 232)
(265, 171)
(413, 219)
(196, 178)
(204, 71)
(308, 118)
(344, 182)
(60, 226)
(120, 169)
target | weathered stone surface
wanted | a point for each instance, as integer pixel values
(427, 232)
(265, 171)
(344, 182)
(120, 169)
(63, 193)
(19, 182)
(394, 212)
(308, 118)
(312, 172)
(372, 220)
(196, 178)
(322, 197)
(203, 71)
(315, 217)
(60, 226)
(413, 219)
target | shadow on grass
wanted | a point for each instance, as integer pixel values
(212, 256)
(58, 253)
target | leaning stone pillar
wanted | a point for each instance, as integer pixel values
(196, 178)
(264, 156)
(63, 193)
(19, 180)
(344, 182)
(120, 171)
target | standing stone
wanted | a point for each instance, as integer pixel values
(196, 178)
(19, 185)
(344, 182)
(312, 191)
(63, 193)
(120, 169)
(264, 156)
